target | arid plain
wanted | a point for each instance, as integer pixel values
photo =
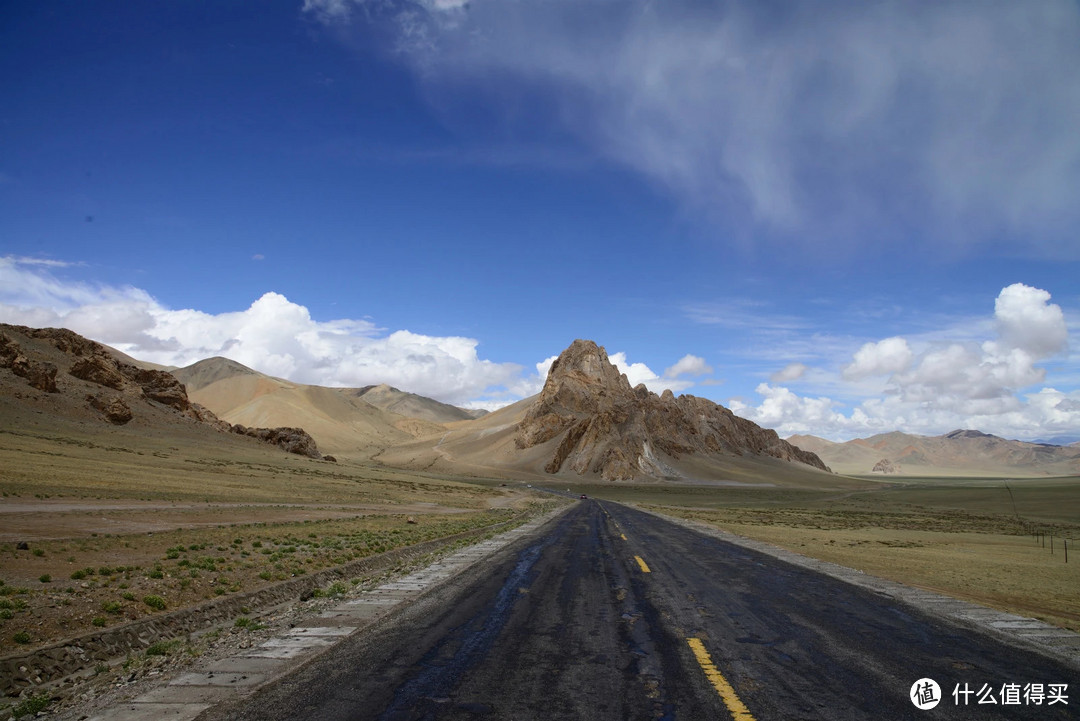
(106, 524)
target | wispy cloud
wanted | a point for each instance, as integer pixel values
(803, 122)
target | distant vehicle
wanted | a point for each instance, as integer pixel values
(584, 497)
(528, 485)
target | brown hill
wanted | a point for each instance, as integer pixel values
(409, 405)
(958, 453)
(588, 422)
(54, 378)
(339, 419)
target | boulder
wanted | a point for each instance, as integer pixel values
(114, 409)
(98, 368)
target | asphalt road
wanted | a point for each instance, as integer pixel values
(616, 614)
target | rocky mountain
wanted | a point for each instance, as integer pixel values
(593, 422)
(74, 379)
(959, 452)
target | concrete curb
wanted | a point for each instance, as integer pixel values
(189, 694)
(1018, 631)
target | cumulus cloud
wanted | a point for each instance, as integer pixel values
(273, 335)
(940, 386)
(802, 121)
(690, 365)
(885, 357)
(640, 373)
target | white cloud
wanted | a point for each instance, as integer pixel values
(831, 123)
(690, 365)
(273, 335)
(640, 373)
(790, 372)
(939, 386)
(885, 357)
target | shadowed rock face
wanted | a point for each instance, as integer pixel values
(607, 428)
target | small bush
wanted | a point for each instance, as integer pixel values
(129, 596)
(31, 706)
(155, 602)
(39, 552)
(78, 575)
(98, 621)
(21, 637)
(242, 622)
(111, 607)
(45, 578)
(162, 648)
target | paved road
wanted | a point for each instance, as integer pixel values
(616, 614)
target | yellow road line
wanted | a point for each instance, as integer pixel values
(727, 694)
(623, 536)
(640, 562)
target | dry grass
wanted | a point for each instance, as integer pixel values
(988, 558)
(104, 580)
(112, 519)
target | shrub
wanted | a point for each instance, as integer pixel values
(45, 578)
(21, 637)
(111, 607)
(98, 621)
(162, 648)
(155, 602)
(31, 706)
(78, 575)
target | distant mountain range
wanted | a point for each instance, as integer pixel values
(587, 422)
(959, 453)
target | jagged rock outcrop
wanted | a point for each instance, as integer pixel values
(94, 363)
(885, 466)
(293, 440)
(607, 428)
(39, 374)
(113, 409)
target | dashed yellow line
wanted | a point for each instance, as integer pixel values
(623, 535)
(727, 694)
(641, 562)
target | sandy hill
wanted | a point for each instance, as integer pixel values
(958, 453)
(55, 381)
(340, 419)
(588, 423)
(409, 405)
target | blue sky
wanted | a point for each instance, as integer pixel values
(837, 218)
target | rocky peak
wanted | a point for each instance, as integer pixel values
(596, 423)
(583, 373)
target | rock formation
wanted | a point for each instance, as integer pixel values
(129, 386)
(605, 427)
(885, 466)
(293, 440)
(38, 374)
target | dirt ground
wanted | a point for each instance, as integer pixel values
(68, 566)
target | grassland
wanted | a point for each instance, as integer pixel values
(116, 528)
(968, 538)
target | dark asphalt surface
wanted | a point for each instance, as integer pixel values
(570, 626)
